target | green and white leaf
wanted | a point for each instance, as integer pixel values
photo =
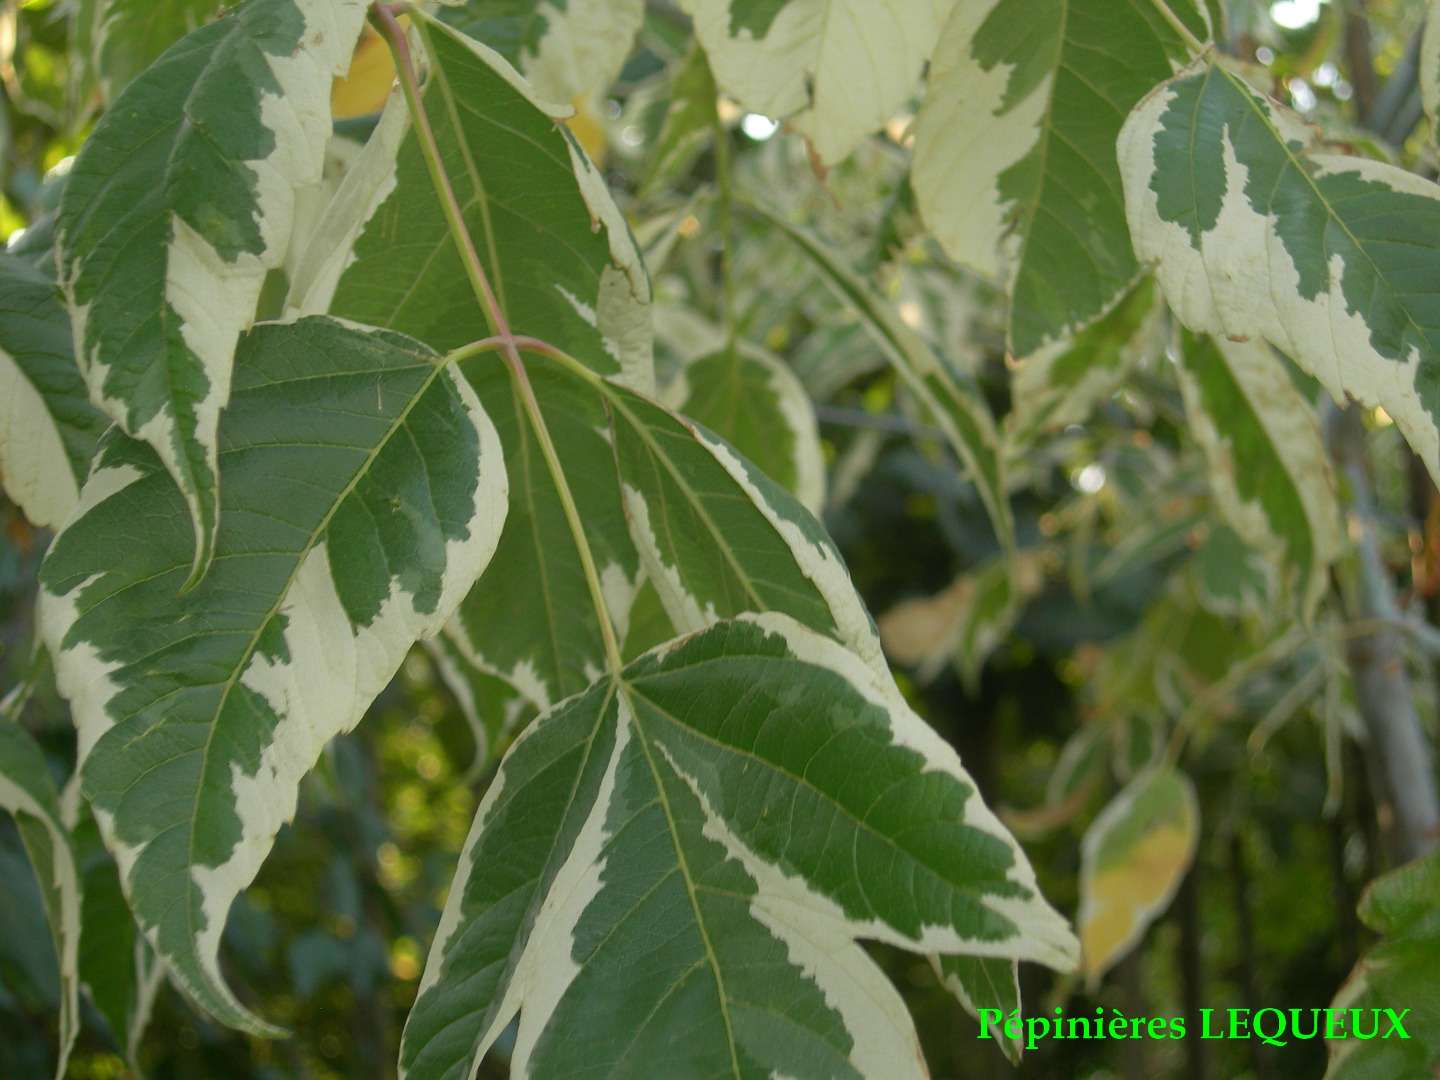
(118, 969)
(691, 120)
(984, 982)
(530, 618)
(1015, 170)
(952, 401)
(1269, 470)
(1062, 383)
(531, 201)
(835, 70)
(178, 205)
(28, 793)
(697, 845)
(365, 494)
(565, 48)
(1253, 235)
(1399, 973)
(1132, 860)
(749, 397)
(557, 251)
(1232, 578)
(48, 428)
(493, 709)
(719, 538)
(130, 35)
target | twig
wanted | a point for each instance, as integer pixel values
(1377, 659)
(1194, 44)
(508, 343)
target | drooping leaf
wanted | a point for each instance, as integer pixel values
(28, 792)
(530, 618)
(690, 120)
(719, 538)
(565, 48)
(952, 401)
(750, 398)
(985, 982)
(531, 201)
(118, 969)
(1133, 858)
(178, 205)
(48, 428)
(493, 709)
(1232, 578)
(965, 622)
(835, 70)
(1015, 169)
(130, 35)
(695, 846)
(1061, 384)
(1255, 236)
(1398, 974)
(1268, 466)
(365, 494)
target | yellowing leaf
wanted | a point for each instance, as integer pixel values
(367, 84)
(1133, 859)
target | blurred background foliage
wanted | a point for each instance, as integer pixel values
(1123, 649)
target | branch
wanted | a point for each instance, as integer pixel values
(1377, 659)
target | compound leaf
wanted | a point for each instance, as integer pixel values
(365, 495)
(696, 845)
(564, 267)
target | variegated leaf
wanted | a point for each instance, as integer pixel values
(178, 205)
(1062, 383)
(718, 538)
(118, 969)
(985, 982)
(649, 623)
(365, 494)
(493, 709)
(690, 120)
(751, 399)
(1268, 466)
(532, 203)
(565, 48)
(530, 618)
(1232, 578)
(48, 428)
(1015, 170)
(694, 846)
(1254, 235)
(555, 247)
(1399, 974)
(28, 792)
(952, 401)
(130, 35)
(836, 70)
(1132, 860)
